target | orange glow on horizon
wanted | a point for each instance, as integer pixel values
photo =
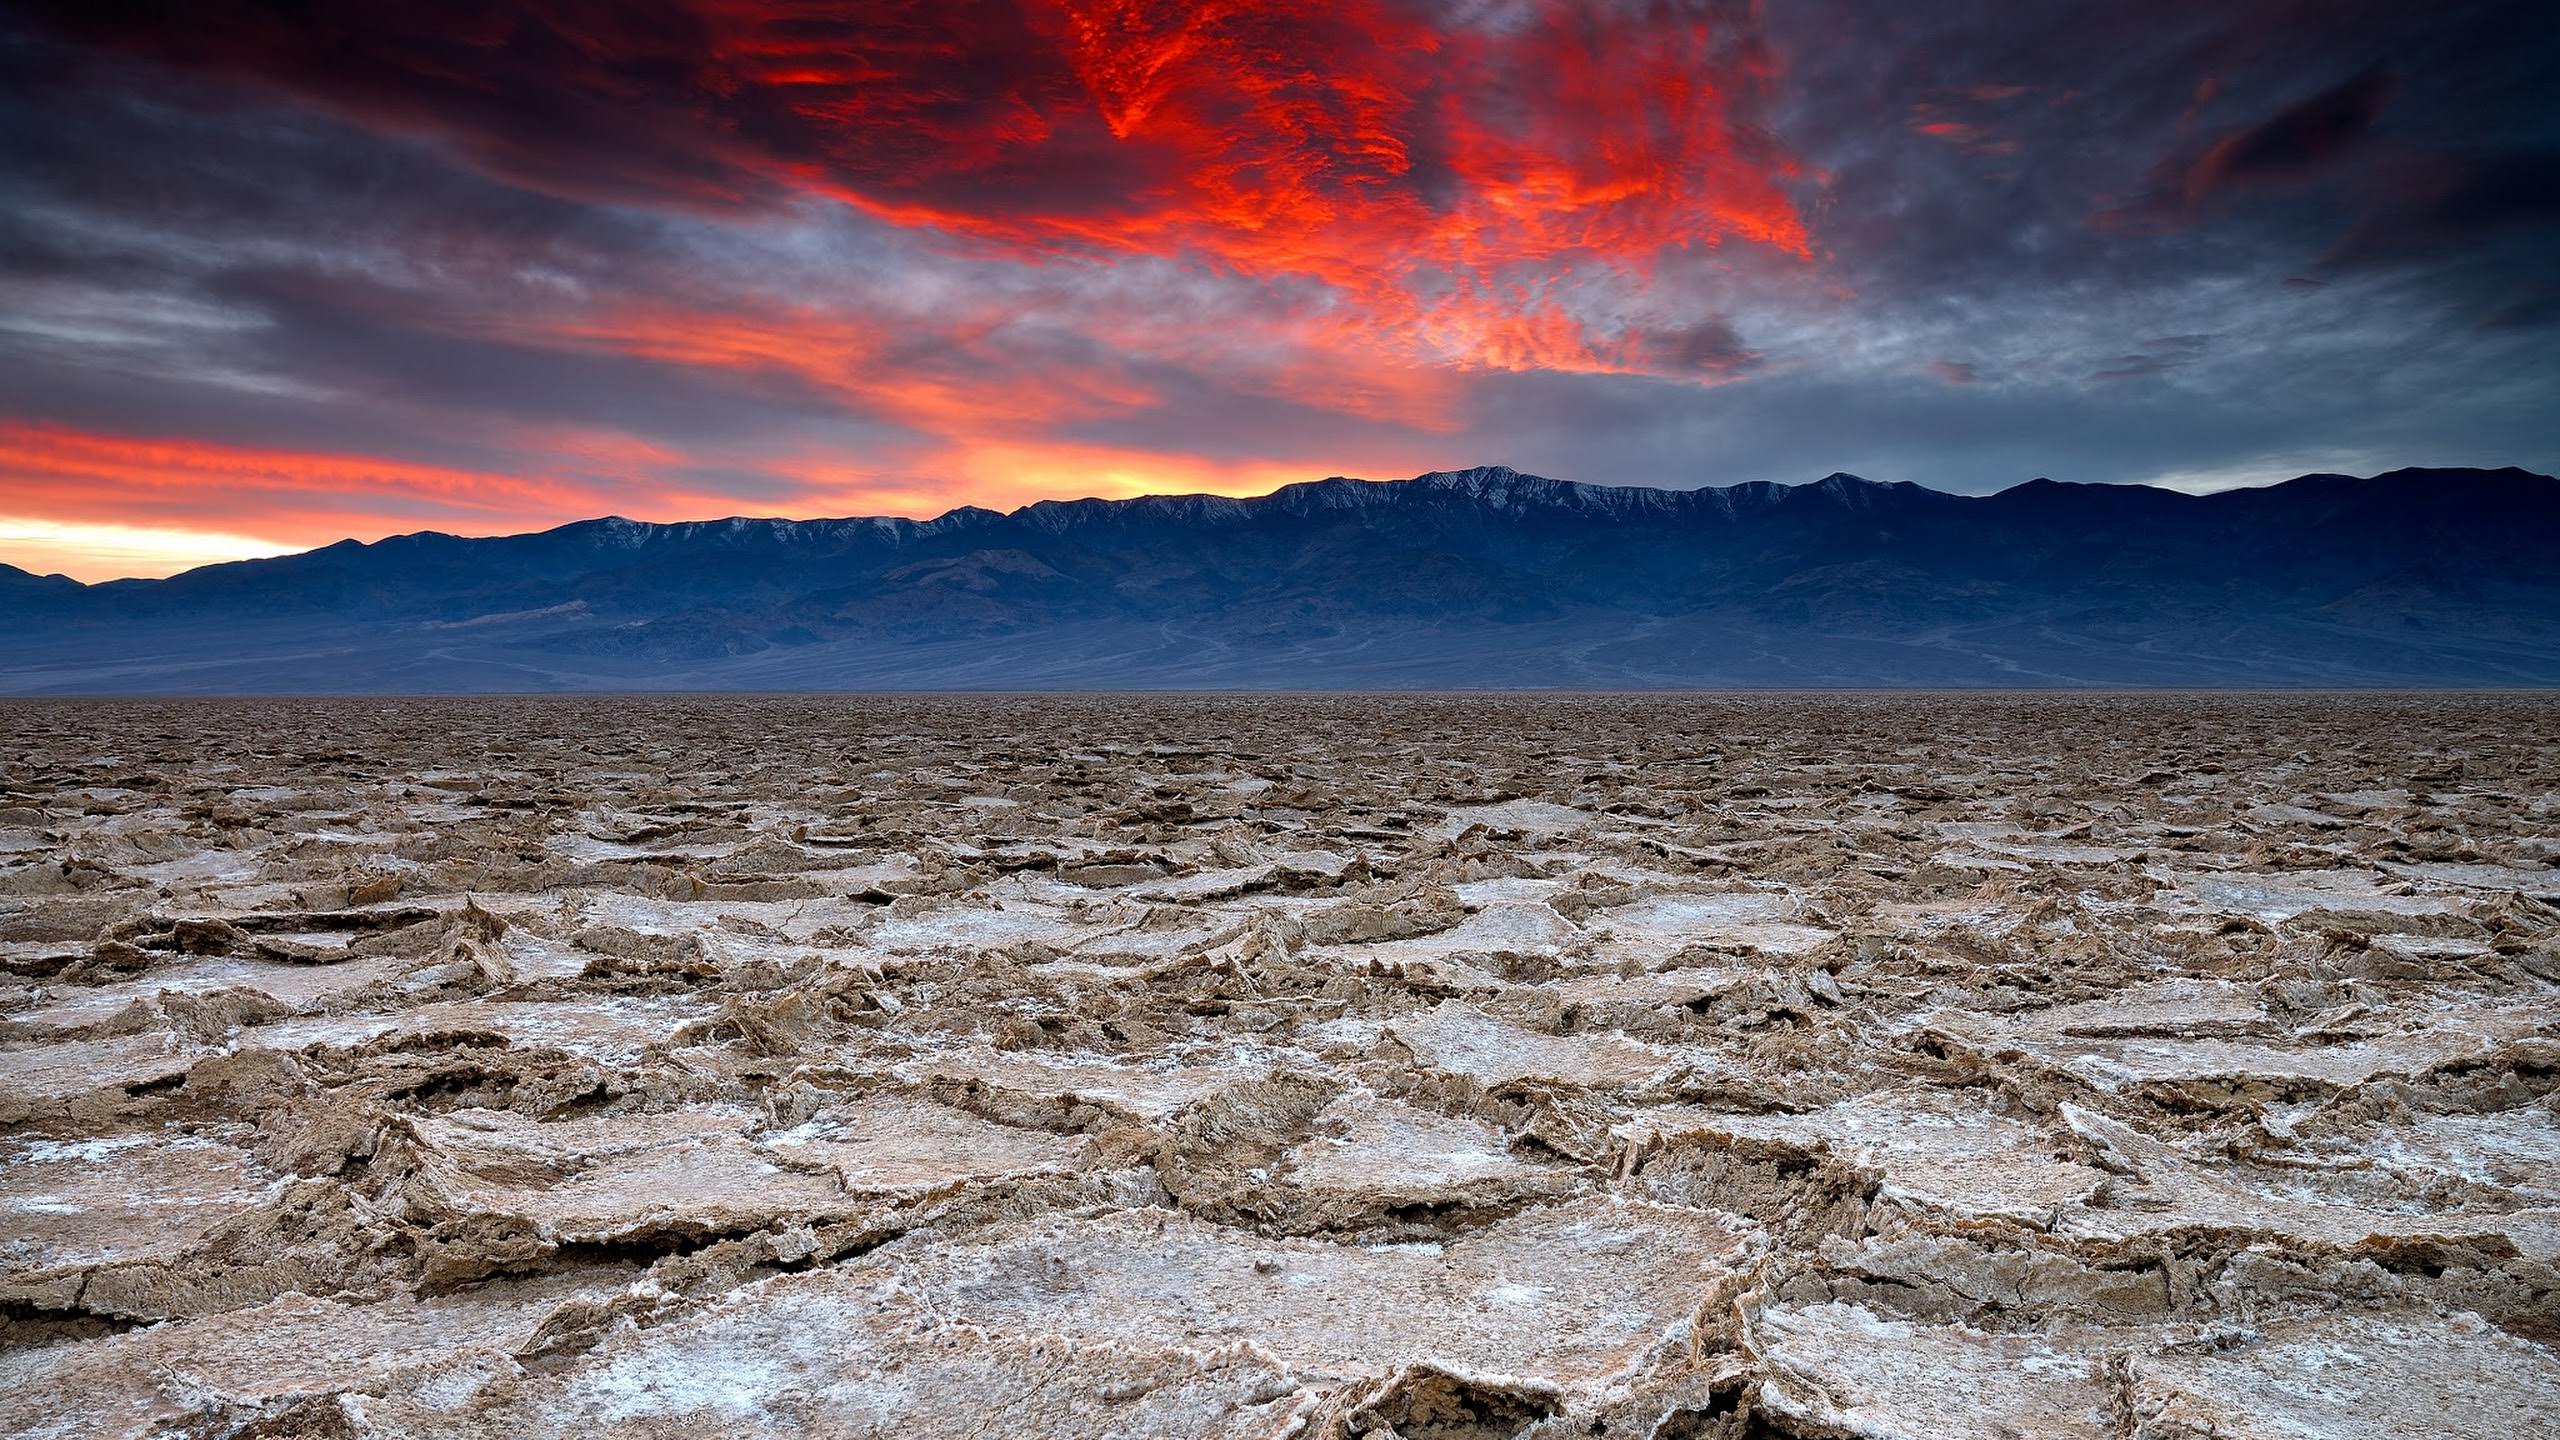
(93, 552)
(100, 507)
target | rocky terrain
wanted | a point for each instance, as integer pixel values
(1672, 1067)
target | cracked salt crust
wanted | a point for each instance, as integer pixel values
(1285, 1066)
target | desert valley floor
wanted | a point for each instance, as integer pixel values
(1250, 1066)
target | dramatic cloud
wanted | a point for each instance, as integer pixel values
(276, 273)
(1449, 179)
(2295, 139)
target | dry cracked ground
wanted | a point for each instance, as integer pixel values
(1926, 1066)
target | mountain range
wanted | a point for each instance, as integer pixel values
(1475, 578)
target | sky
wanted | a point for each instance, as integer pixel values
(272, 275)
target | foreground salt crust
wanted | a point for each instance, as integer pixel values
(1289, 1066)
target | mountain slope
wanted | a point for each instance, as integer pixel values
(1474, 577)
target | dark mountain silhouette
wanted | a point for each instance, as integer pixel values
(1482, 577)
(14, 581)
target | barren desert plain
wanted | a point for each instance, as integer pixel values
(1962, 1065)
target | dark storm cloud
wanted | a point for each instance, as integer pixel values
(2117, 112)
(670, 256)
(2298, 138)
(2463, 201)
(1709, 348)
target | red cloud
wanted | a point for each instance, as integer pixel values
(1455, 180)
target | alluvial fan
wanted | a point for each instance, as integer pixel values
(1681, 1066)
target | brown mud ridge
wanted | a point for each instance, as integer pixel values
(1920, 1066)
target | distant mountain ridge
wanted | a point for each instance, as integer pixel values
(1479, 577)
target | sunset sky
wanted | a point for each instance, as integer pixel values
(276, 274)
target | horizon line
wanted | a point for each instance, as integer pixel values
(1052, 502)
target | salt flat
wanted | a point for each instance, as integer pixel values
(1421, 1066)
